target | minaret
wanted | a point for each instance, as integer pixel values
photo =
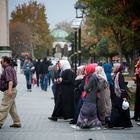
(4, 29)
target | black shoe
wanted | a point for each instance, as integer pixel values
(133, 118)
(52, 118)
(137, 119)
(110, 126)
(128, 126)
(15, 125)
(72, 122)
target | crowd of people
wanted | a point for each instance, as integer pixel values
(40, 70)
(91, 98)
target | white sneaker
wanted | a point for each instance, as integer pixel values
(95, 128)
(75, 127)
(138, 123)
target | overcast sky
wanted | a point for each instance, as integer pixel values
(56, 10)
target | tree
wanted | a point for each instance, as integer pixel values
(33, 15)
(91, 40)
(19, 38)
(102, 49)
(117, 16)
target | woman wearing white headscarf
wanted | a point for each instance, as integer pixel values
(64, 107)
(104, 100)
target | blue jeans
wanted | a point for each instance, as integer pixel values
(28, 77)
(44, 81)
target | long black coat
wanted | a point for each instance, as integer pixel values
(64, 106)
(67, 91)
(120, 117)
(137, 98)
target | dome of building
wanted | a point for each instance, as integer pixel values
(59, 34)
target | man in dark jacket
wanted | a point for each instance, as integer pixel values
(37, 70)
(44, 74)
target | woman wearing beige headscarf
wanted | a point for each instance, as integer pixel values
(104, 100)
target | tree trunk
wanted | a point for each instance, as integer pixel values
(119, 42)
(120, 52)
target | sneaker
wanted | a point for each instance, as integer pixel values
(75, 127)
(95, 128)
(15, 125)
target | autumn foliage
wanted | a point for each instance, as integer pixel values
(29, 30)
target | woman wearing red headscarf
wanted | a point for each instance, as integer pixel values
(88, 113)
(120, 116)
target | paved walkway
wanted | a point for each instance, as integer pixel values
(34, 108)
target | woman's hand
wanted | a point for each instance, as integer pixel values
(124, 99)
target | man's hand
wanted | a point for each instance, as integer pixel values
(9, 93)
(10, 87)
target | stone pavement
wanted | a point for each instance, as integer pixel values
(34, 108)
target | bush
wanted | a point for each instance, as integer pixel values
(131, 92)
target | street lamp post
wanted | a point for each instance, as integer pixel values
(79, 46)
(72, 54)
(75, 50)
(80, 10)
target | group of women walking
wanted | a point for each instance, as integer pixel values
(90, 98)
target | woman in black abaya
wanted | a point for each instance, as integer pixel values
(64, 107)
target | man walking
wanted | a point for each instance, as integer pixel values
(44, 74)
(8, 82)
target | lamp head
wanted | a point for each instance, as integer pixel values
(80, 9)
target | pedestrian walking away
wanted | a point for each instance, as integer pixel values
(8, 82)
(28, 69)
